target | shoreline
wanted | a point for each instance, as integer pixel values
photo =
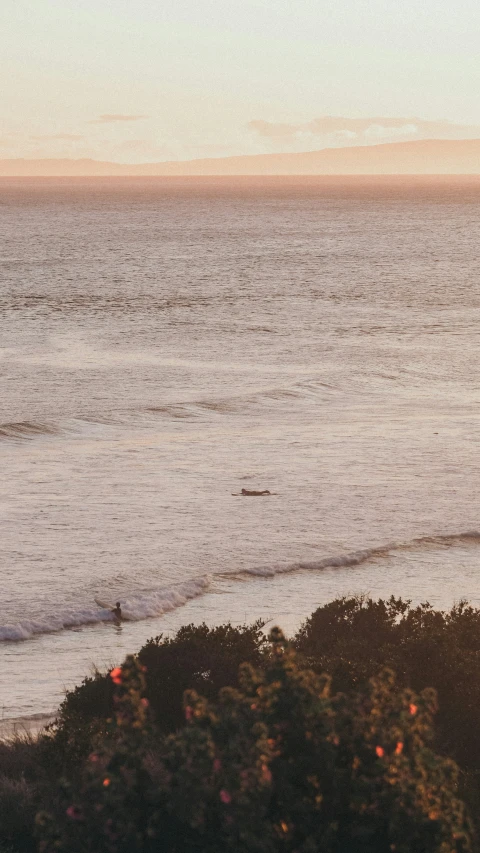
(437, 573)
(30, 727)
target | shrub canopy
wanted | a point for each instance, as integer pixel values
(276, 764)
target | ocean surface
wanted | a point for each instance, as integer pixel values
(165, 343)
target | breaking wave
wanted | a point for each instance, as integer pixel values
(153, 603)
(139, 606)
(356, 558)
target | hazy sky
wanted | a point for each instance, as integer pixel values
(138, 80)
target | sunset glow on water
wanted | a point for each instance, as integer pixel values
(167, 343)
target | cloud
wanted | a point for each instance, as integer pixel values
(359, 126)
(110, 118)
(67, 137)
(133, 144)
(268, 128)
(342, 129)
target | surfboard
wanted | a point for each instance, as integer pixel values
(104, 604)
(239, 495)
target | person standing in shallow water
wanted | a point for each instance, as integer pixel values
(117, 611)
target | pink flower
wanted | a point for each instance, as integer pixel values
(266, 773)
(380, 751)
(399, 748)
(188, 712)
(413, 709)
(144, 702)
(116, 675)
(217, 765)
(225, 796)
(74, 813)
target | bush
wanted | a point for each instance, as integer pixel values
(24, 781)
(18, 804)
(278, 764)
(197, 658)
(352, 638)
(207, 659)
(80, 720)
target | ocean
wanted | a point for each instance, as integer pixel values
(165, 343)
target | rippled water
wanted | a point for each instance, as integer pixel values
(165, 343)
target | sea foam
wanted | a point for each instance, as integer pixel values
(155, 602)
(139, 606)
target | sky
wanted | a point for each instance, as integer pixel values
(148, 80)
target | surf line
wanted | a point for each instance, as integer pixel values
(356, 558)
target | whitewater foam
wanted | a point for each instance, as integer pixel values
(136, 607)
(152, 603)
(356, 558)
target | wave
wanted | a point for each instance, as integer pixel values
(142, 605)
(240, 403)
(222, 404)
(26, 429)
(237, 404)
(339, 561)
(153, 603)
(356, 558)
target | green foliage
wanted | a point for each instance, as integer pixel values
(352, 638)
(81, 719)
(276, 764)
(17, 810)
(200, 657)
(24, 781)
(197, 658)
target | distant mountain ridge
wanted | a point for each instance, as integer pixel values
(422, 157)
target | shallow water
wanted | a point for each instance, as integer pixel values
(165, 343)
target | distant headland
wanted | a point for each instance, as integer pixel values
(422, 157)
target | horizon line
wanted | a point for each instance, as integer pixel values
(416, 157)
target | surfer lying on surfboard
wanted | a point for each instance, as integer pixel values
(250, 493)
